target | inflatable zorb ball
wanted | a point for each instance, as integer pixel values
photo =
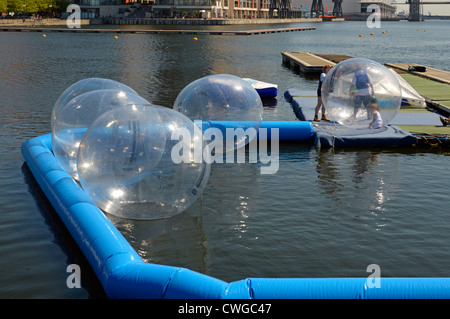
(78, 115)
(142, 162)
(223, 97)
(353, 85)
(83, 86)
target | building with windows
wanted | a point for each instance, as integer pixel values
(250, 9)
(231, 9)
(386, 10)
(358, 8)
(91, 9)
(226, 9)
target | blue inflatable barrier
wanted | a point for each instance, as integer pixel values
(287, 130)
(123, 274)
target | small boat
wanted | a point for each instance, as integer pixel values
(264, 89)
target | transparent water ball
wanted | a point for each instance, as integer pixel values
(83, 86)
(78, 115)
(223, 97)
(143, 162)
(353, 85)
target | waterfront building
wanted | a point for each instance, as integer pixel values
(386, 10)
(226, 9)
(358, 8)
(91, 9)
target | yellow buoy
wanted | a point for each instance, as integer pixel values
(116, 37)
(418, 29)
(195, 39)
(372, 33)
(384, 32)
(360, 35)
(44, 35)
(424, 30)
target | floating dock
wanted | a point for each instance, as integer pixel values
(158, 31)
(430, 73)
(310, 63)
(433, 84)
(333, 134)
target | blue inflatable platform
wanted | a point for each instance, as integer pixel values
(330, 134)
(123, 274)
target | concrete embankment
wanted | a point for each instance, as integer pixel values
(37, 22)
(26, 23)
(157, 21)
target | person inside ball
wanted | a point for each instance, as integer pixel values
(377, 121)
(361, 91)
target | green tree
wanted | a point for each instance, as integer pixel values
(61, 5)
(13, 6)
(23, 6)
(33, 6)
(3, 6)
(30, 6)
(44, 5)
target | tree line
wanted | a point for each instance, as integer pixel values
(33, 6)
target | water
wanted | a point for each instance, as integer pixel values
(326, 213)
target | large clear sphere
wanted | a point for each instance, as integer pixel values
(78, 115)
(353, 85)
(143, 162)
(83, 86)
(222, 97)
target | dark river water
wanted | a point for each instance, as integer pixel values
(325, 213)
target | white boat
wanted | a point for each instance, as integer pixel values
(264, 89)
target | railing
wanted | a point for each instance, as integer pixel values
(186, 2)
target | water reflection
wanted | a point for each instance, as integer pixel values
(358, 184)
(224, 227)
(176, 241)
(310, 219)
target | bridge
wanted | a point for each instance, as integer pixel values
(414, 8)
(283, 7)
